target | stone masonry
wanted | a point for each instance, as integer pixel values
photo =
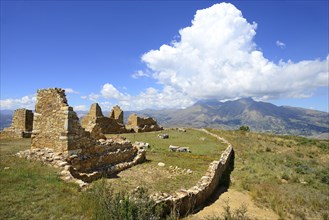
(187, 200)
(57, 129)
(21, 126)
(117, 114)
(97, 124)
(139, 124)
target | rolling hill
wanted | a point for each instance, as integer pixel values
(259, 116)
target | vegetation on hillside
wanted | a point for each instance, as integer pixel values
(285, 173)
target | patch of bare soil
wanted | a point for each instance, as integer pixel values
(235, 200)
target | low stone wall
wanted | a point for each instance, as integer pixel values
(13, 133)
(139, 124)
(98, 125)
(79, 167)
(185, 201)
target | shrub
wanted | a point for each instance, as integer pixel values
(120, 205)
(268, 149)
(244, 128)
(228, 214)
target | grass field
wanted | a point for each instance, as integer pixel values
(287, 174)
(205, 149)
(31, 190)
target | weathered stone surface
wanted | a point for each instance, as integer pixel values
(117, 114)
(98, 125)
(185, 201)
(163, 136)
(139, 124)
(21, 126)
(54, 121)
(179, 149)
(59, 140)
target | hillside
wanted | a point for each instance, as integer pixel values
(259, 116)
(283, 174)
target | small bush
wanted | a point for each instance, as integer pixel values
(244, 128)
(268, 149)
(228, 214)
(120, 205)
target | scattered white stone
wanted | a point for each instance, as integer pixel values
(6, 168)
(73, 156)
(62, 164)
(81, 183)
(160, 164)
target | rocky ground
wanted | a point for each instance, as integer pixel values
(235, 200)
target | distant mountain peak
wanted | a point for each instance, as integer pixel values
(246, 99)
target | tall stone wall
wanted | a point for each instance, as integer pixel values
(56, 125)
(97, 124)
(117, 114)
(57, 129)
(21, 126)
(139, 124)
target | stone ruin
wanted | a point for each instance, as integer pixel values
(21, 126)
(185, 201)
(117, 114)
(98, 125)
(139, 124)
(58, 139)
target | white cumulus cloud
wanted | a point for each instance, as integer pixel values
(80, 108)
(216, 57)
(167, 97)
(92, 97)
(70, 90)
(109, 91)
(27, 102)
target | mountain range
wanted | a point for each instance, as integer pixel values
(259, 116)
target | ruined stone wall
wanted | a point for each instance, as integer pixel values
(56, 125)
(185, 201)
(57, 129)
(23, 120)
(139, 124)
(117, 114)
(96, 123)
(21, 126)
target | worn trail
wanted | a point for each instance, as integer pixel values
(234, 199)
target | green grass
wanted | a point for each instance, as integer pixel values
(203, 152)
(31, 190)
(285, 173)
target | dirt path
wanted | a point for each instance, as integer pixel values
(236, 199)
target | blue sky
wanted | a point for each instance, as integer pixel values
(165, 54)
